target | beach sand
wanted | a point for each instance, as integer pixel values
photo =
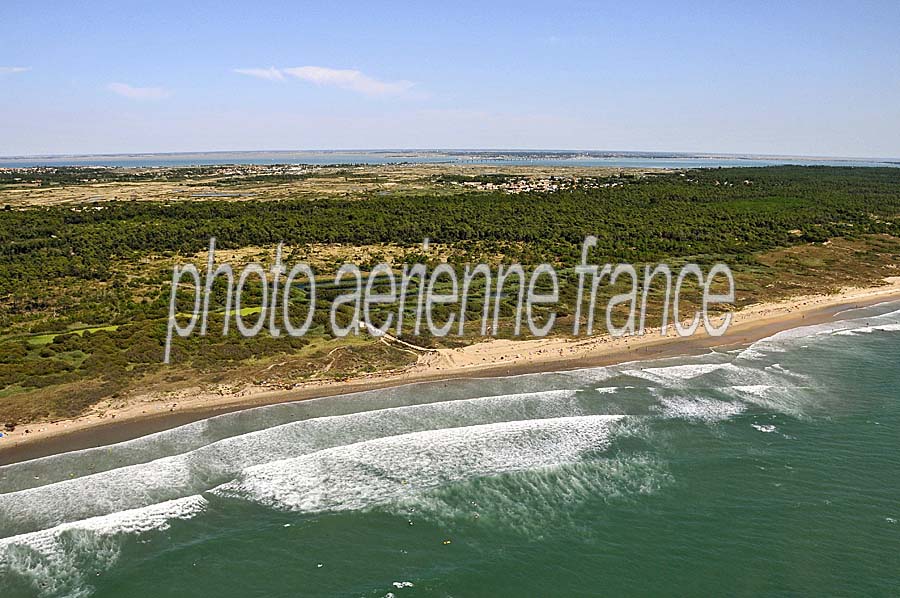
(154, 412)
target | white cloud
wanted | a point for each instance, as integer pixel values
(8, 70)
(138, 93)
(271, 73)
(349, 79)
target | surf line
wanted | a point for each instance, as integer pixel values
(440, 299)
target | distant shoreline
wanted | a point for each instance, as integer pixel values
(498, 157)
(155, 413)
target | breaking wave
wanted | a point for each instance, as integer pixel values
(366, 474)
(53, 562)
(522, 453)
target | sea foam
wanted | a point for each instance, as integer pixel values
(211, 465)
(52, 561)
(369, 473)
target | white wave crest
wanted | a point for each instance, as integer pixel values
(868, 330)
(699, 409)
(51, 560)
(196, 471)
(370, 473)
(674, 374)
(780, 341)
(538, 502)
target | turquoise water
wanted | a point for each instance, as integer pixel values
(484, 157)
(769, 470)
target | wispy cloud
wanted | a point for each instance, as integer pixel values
(138, 93)
(349, 79)
(271, 73)
(9, 70)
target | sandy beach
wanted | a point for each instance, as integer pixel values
(154, 412)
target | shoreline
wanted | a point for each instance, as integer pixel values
(155, 412)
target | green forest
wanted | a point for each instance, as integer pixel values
(84, 288)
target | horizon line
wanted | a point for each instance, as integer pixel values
(658, 153)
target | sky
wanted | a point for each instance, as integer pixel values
(779, 78)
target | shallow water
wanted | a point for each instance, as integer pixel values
(773, 470)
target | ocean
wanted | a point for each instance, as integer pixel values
(771, 469)
(457, 157)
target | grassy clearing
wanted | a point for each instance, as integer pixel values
(38, 340)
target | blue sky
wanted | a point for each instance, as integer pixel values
(812, 78)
